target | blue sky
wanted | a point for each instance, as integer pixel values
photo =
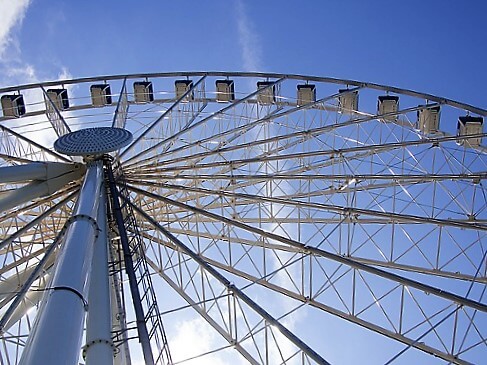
(433, 46)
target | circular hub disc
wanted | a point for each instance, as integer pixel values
(92, 141)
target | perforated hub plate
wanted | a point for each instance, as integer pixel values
(92, 141)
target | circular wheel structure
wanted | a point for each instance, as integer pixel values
(253, 218)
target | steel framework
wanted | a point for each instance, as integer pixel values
(256, 225)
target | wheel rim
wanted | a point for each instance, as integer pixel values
(311, 210)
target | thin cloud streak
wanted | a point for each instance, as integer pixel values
(12, 68)
(13, 13)
(248, 40)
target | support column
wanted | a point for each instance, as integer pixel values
(99, 346)
(57, 332)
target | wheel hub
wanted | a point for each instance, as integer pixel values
(93, 141)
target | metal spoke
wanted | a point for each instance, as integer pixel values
(55, 117)
(121, 111)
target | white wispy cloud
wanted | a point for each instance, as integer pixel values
(15, 70)
(201, 337)
(13, 13)
(248, 39)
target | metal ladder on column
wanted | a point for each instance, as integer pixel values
(149, 323)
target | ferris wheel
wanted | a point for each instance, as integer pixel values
(213, 217)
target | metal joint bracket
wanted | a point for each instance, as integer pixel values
(85, 217)
(72, 290)
(94, 342)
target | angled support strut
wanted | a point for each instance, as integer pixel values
(129, 268)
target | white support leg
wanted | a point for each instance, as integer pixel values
(57, 332)
(99, 347)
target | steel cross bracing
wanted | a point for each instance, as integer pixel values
(308, 209)
(185, 163)
(16, 148)
(344, 269)
(189, 125)
(241, 300)
(229, 203)
(336, 155)
(272, 115)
